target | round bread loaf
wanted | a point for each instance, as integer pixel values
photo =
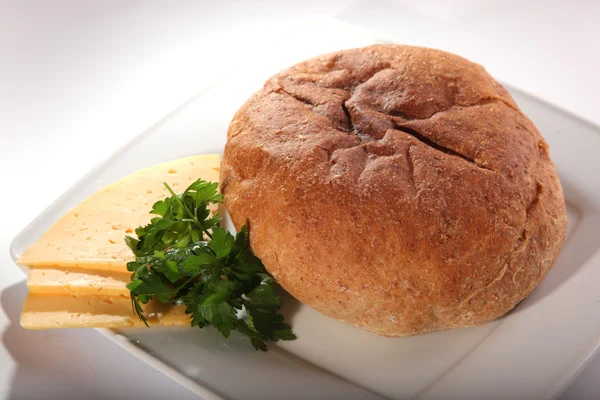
(396, 188)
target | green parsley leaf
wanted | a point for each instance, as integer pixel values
(198, 263)
(222, 242)
(255, 337)
(132, 243)
(219, 281)
(151, 284)
(263, 296)
(161, 207)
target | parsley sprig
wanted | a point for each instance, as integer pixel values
(184, 257)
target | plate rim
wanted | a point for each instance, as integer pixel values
(156, 363)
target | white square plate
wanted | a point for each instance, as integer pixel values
(533, 352)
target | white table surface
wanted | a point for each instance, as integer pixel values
(80, 78)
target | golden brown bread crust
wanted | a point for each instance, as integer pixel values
(399, 189)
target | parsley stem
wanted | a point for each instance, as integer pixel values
(185, 284)
(182, 204)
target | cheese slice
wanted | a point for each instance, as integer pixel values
(64, 311)
(91, 235)
(78, 282)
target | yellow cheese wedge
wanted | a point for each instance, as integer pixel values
(78, 282)
(64, 311)
(92, 234)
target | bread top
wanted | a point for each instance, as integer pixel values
(397, 188)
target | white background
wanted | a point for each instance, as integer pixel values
(80, 78)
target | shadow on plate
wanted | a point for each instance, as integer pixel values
(34, 352)
(73, 363)
(206, 340)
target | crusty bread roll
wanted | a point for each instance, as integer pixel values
(397, 188)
